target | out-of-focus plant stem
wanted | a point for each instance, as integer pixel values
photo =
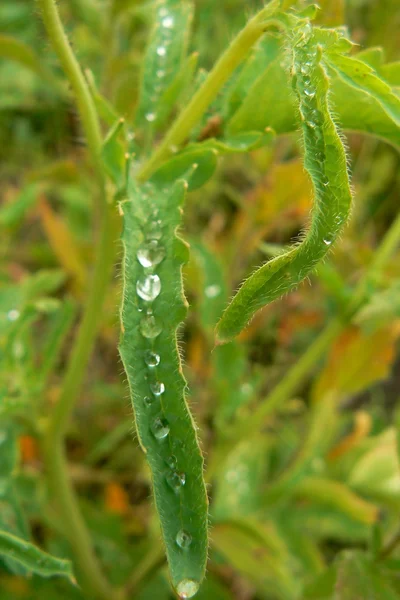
(53, 443)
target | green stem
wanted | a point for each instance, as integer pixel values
(53, 442)
(217, 77)
(72, 70)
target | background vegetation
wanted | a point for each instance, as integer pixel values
(305, 491)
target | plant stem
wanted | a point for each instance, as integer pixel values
(151, 561)
(72, 70)
(221, 72)
(53, 442)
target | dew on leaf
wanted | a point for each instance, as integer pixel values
(183, 539)
(148, 287)
(151, 358)
(160, 428)
(157, 388)
(149, 327)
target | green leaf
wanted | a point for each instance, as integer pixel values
(12, 213)
(8, 453)
(252, 551)
(113, 155)
(325, 161)
(238, 482)
(164, 57)
(104, 107)
(176, 89)
(153, 308)
(204, 161)
(32, 558)
(356, 577)
(364, 79)
(16, 50)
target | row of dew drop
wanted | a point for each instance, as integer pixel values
(148, 287)
(306, 62)
(166, 21)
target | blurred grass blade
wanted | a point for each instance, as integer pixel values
(164, 57)
(32, 558)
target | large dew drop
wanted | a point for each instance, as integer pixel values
(157, 388)
(183, 539)
(149, 287)
(151, 359)
(160, 428)
(187, 588)
(150, 254)
(149, 327)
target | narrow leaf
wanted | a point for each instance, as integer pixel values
(32, 558)
(153, 308)
(325, 161)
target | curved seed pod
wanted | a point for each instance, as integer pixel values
(325, 161)
(153, 308)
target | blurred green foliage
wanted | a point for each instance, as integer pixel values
(307, 505)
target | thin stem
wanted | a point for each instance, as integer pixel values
(53, 442)
(72, 70)
(221, 72)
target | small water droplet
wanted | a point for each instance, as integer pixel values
(187, 588)
(148, 400)
(176, 480)
(149, 327)
(311, 124)
(161, 51)
(151, 254)
(327, 242)
(310, 92)
(160, 428)
(154, 230)
(150, 117)
(172, 461)
(183, 539)
(151, 358)
(149, 287)
(13, 314)
(157, 387)
(160, 73)
(325, 180)
(168, 22)
(212, 291)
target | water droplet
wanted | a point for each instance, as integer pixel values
(172, 461)
(149, 327)
(325, 180)
(150, 254)
(212, 291)
(149, 287)
(157, 388)
(150, 117)
(151, 358)
(161, 51)
(13, 314)
(311, 124)
(187, 588)
(154, 230)
(310, 92)
(183, 539)
(160, 73)
(176, 480)
(148, 400)
(160, 428)
(168, 22)
(327, 242)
